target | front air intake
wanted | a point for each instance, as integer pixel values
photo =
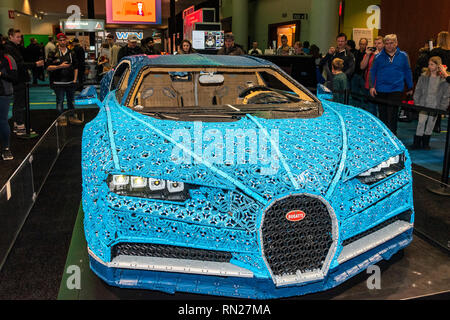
(168, 251)
(297, 235)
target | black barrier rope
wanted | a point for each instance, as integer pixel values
(28, 134)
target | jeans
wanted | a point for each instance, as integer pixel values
(370, 106)
(389, 114)
(357, 87)
(69, 92)
(426, 123)
(5, 130)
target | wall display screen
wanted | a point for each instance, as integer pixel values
(133, 11)
(207, 40)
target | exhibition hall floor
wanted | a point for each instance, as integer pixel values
(52, 237)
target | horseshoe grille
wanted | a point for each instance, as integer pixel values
(296, 247)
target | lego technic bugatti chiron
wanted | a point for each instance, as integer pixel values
(223, 175)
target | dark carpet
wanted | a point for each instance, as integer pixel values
(35, 265)
(40, 122)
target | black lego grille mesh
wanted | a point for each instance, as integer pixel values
(167, 251)
(291, 246)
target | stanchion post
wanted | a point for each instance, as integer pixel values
(27, 108)
(28, 134)
(446, 166)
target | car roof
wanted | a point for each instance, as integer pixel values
(197, 59)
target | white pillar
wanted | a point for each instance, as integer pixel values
(324, 23)
(22, 23)
(240, 22)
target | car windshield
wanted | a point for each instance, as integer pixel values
(226, 93)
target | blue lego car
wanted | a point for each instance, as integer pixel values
(222, 175)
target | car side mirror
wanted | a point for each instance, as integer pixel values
(88, 97)
(324, 93)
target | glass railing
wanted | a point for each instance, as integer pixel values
(20, 192)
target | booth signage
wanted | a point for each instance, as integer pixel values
(189, 21)
(133, 12)
(300, 16)
(188, 11)
(123, 35)
(88, 25)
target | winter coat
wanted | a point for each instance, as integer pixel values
(390, 74)
(8, 69)
(443, 93)
(22, 66)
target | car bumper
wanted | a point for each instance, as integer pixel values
(226, 279)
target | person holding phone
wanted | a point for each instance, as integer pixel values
(62, 66)
(366, 65)
(443, 73)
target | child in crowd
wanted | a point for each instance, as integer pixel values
(432, 91)
(340, 82)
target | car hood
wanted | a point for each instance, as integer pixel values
(292, 155)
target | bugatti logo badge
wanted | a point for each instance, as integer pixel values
(295, 215)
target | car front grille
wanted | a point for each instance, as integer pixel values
(168, 251)
(301, 246)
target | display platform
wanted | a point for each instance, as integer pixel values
(419, 271)
(51, 246)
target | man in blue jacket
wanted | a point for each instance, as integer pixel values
(389, 74)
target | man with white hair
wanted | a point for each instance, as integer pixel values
(389, 74)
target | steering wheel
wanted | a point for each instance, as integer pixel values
(247, 91)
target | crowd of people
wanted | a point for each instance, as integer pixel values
(382, 72)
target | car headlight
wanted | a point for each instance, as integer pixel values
(383, 170)
(151, 188)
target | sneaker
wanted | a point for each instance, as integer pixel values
(62, 121)
(22, 132)
(7, 155)
(18, 127)
(75, 120)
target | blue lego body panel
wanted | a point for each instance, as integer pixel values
(235, 216)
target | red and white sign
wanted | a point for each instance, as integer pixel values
(188, 11)
(189, 20)
(11, 14)
(295, 215)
